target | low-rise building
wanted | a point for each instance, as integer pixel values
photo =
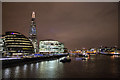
(1, 44)
(17, 44)
(50, 46)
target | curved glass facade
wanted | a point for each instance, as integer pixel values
(17, 44)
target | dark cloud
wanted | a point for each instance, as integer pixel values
(77, 25)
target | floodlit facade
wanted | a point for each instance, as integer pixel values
(1, 44)
(50, 46)
(17, 44)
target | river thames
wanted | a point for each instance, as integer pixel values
(96, 66)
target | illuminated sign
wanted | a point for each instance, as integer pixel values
(13, 33)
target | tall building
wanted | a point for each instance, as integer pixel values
(33, 33)
(17, 44)
(50, 46)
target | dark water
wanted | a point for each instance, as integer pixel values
(96, 66)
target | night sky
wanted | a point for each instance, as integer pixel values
(76, 24)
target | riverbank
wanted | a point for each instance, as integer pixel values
(106, 53)
(9, 62)
(98, 66)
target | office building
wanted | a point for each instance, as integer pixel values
(50, 46)
(1, 43)
(17, 44)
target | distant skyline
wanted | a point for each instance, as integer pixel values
(75, 24)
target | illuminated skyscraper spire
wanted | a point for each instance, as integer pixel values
(33, 25)
(33, 15)
(33, 33)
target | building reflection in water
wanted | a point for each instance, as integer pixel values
(17, 70)
(49, 68)
(25, 70)
(25, 67)
(100, 66)
(37, 65)
(115, 56)
(115, 68)
(31, 66)
(44, 69)
(6, 73)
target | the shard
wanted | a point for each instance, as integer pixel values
(33, 33)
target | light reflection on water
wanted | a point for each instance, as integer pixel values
(50, 68)
(31, 66)
(94, 66)
(37, 65)
(17, 70)
(115, 56)
(7, 72)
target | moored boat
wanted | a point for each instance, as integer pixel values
(65, 60)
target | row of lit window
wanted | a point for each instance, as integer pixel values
(16, 51)
(18, 43)
(53, 48)
(49, 41)
(51, 44)
(17, 40)
(17, 46)
(1, 48)
(11, 36)
(1, 44)
(27, 48)
(19, 53)
(12, 51)
(50, 49)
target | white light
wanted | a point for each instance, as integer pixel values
(116, 53)
(25, 67)
(33, 12)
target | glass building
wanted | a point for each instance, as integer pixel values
(17, 44)
(50, 46)
(33, 33)
(1, 44)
